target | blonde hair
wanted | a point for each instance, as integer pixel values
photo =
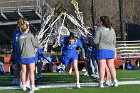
(20, 22)
(23, 28)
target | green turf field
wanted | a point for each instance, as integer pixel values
(119, 89)
(63, 78)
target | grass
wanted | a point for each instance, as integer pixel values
(53, 78)
(57, 78)
(127, 75)
(119, 89)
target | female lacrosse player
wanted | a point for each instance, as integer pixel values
(70, 55)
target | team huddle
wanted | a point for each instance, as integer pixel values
(97, 50)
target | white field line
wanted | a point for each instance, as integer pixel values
(128, 47)
(126, 44)
(69, 85)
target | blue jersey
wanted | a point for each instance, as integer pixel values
(69, 53)
(15, 37)
(39, 54)
(70, 49)
(49, 58)
(84, 42)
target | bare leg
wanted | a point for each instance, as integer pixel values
(102, 66)
(31, 73)
(110, 63)
(69, 69)
(27, 77)
(75, 66)
(23, 74)
(108, 75)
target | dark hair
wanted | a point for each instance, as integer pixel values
(106, 22)
(71, 36)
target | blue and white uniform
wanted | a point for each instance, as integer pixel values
(39, 54)
(69, 53)
(49, 58)
(15, 37)
(91, 64)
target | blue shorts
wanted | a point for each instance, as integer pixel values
(105, 54)
(66, 60)
(28, 60)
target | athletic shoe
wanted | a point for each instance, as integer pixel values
(28, 84)
(115, 83)
(94, 76)
(84, 69)
(24, 88)
(86, 74)
(101, 84)
(33, 88)
(78, 85)
(108, 83)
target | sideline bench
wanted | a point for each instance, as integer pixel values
(127, 50)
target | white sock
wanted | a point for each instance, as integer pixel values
(116, 80)
(108, 81)
(24, 87)
(32, 86)
(27, 83)
(77, 83)
(101, 81)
